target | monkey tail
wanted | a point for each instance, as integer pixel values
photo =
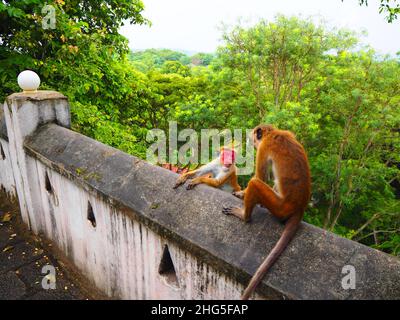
(289, 231)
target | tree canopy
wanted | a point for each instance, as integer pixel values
(341, 101)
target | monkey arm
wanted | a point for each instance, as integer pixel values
(234, 182)
(262, 171)
(182, 178)
(208, 168)
(202, 171)
(212, 182)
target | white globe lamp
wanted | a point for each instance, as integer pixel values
(28, 81)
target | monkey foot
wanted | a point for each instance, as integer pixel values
(235, 211)
(239, 194)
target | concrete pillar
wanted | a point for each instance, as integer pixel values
(24, 113)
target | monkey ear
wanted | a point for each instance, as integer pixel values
(259, 133)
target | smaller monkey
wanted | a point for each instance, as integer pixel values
(219, 173)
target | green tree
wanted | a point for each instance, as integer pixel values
(341, 103)
(175, 67)
(277, 59)
(203, 59)
(149, 59)
(84, 57)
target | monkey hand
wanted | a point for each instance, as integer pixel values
(191, 185)
(179, 182)
(238, 194)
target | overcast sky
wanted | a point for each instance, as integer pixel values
(194, 25)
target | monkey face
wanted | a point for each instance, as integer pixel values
(256, 138)
(227, 157)
(260, 132)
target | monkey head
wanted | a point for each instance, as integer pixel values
(260, 132)
(227, 157)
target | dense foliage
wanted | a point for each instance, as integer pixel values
(83, 57)
(341, 100)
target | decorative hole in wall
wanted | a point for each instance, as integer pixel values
(167, 269)
(90, 215)
(47, 183)
(2, 153)
(50, 190)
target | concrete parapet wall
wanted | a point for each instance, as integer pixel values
(119, 221)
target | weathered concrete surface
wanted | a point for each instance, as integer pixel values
(7, 182)
(22, 259)
(310, 268)
(3, 126)
(53, 108)
(23, 113)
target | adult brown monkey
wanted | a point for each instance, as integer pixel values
(290, 195)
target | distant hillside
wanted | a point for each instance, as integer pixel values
(157, 58)
(186, 52)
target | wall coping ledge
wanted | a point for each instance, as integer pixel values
(20, 98)
(310, 268)
(38, 95)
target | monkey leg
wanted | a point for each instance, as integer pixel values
(266, 196)
(258, 192)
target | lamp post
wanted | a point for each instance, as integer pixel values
(28, 81)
